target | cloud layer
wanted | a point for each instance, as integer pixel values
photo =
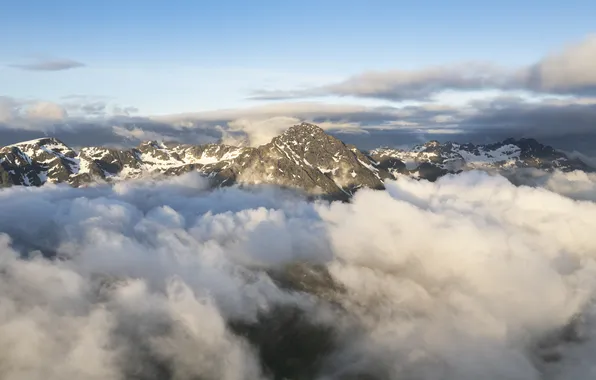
(567, 72)
(83, 121)
(552, 100)
(467, 278)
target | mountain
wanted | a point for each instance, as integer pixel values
(303, 157)
(433, 159)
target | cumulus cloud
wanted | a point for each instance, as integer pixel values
(49, 65)
(577, 185)
(567, 71)
(170, 280)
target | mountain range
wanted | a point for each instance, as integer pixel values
(303, 157)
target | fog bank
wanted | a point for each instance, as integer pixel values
(466, 278)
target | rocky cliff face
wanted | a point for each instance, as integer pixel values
(303, 157)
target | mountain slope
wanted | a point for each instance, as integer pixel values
(303, 157)
(433, 159)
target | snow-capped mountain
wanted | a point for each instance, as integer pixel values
(433, 159)
(303, 157)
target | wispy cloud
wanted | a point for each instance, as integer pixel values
(49, 65)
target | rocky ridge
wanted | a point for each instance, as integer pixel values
(303, 157)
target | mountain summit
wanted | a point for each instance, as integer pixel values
(303, 157)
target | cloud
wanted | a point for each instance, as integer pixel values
(590, 161)
(84, 120)
(124, 111)
(401, 85)
(525, 108)
(258, 125)
(49, 65)
(94, 121)
(30, 114)
(46, 111)
(534, 119)
(577, 185)
(138, 134)
(169, 280)
(311, 110)
(566, 72)
(566, 123)
(8, 108)
(256, 132)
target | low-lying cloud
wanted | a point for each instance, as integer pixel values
(467, 278)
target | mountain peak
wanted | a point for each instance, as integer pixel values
(304, 130)
(302, 157)
(305, 135)
(153, 144)
(309, 126)
(527, 141)
(39, 142)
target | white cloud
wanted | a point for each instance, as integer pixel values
(577, 185)
(461, 279)
(30, 114)
(256, 132)
(8, 109)
(45, 111)
(136, 133)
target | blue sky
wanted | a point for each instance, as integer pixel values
(184, 56)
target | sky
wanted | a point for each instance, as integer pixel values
(93, 61)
